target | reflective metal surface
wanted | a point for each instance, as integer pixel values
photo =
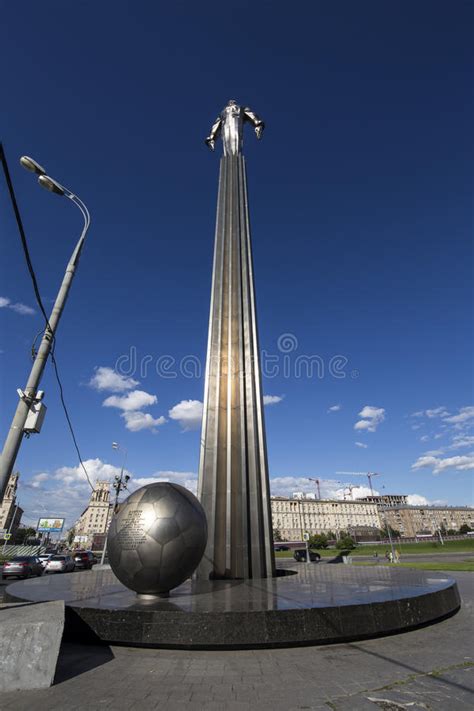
(233, 484)
(230, 126)
(157, 538)
(321, 603)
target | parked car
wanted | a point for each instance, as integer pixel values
(300, 555)
(44, 557)
(84, 559)
(60, 564)
(22, 566)
(282, 548)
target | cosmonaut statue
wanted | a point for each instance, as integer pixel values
(230, 124)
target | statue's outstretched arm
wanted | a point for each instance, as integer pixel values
(257, 122)
(210, 141)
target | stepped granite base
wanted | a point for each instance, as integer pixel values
(319, 604)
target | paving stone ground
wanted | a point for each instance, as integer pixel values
(429, 669)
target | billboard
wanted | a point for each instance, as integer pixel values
(50, 525)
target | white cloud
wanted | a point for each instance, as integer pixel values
(372, 417)
(465, 414)
(460, 441)
(22, 309)
(425, 438)
(188, 413)
(108, 379)
(38, 479)
(417, 500)
(434, 412)
(135, 400)
(334, 408)
(360, 492)
(437, 412)
(96, 469)
(136, 421)
(461, 463)
(361, 445)
(272, 399)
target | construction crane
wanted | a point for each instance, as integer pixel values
(319, 481)
(349, 488)
(369, 476)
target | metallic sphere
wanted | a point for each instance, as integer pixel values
(157, 538)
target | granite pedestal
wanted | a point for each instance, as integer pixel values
(317, 605)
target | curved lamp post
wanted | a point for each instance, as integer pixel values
(30, 397)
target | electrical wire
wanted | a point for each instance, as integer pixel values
(31, 270)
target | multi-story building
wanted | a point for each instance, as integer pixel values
(10, 512)
(97, 516)
(387, 500)
(292, 517)
(415, 520)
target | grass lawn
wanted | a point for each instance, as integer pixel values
(465, 546)
(467, 565)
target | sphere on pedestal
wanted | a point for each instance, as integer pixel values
(157, 538)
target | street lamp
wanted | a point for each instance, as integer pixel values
(30, 399)
(120, 483)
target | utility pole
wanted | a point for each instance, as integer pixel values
(30, 397)
(17, 506)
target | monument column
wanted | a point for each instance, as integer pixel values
(233, 474)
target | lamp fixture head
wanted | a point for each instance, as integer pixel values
(49, 184)
(32, 165)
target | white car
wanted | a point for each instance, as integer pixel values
(44, 558)
(60, 564)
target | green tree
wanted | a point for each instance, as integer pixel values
(277, 535)
(70, 536)
(318, 540)
(451, 532)
(21, 535)
(345, 543)
(465, 528)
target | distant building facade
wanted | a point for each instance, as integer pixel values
(292, 517)
(10, 513)
(386, 500)
(96, 517)
(415, 520)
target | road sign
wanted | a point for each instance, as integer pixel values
(305, 536)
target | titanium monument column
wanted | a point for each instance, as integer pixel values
(233, 482)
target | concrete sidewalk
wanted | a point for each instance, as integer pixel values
(430, 668)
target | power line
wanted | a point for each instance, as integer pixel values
(31, 270)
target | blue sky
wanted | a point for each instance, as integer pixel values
(361, 198)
